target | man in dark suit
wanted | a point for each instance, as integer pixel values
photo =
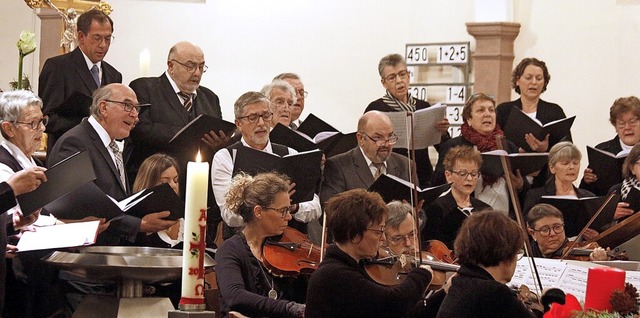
(114, 112)
(359, 167)
(80, 71)
(170, 96)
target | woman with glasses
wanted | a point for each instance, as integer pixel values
(545, 224)
(394, 77)
(479, 130)
(564, 166)
(246, 286)
(624, 115)
(340, 286)
(446, 214)
(530, 79)
(487, 263)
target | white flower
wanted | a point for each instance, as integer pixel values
(27, 43)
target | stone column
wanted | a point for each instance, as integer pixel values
(50, 34)
(493, 57)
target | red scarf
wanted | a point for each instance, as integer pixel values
(484, 143)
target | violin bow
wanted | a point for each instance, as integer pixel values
(413, 178)
(506, 168)
(323, 242)
(595, 215)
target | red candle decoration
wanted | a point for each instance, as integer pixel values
(601, 282)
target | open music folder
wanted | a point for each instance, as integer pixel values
(424, 126)
(59, 236)
(578, 211)
(520, 124)
(607, 166)
(392, 188)
(330, 140)
(302, 168)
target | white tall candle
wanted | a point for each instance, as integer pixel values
(145, 60)
(195, 225)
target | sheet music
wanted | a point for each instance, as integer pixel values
(400, 121)
(633, 278)
(424, 125)
(549, 270)
(574, 281)
(59, 236)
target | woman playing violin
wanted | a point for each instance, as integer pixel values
(488, 260)
(245, 285)
(546, 226)
(446, 214)
(340, 286)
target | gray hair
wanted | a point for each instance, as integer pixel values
(249, 98)
(563, 150)
(279, 84)
(99, 95)
(398, 212)
(390, 60)
(13, 103)
(284, 76)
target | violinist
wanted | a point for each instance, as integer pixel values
(631, 173)
(564, 165)
(245, 284)
(546, 226)
(340, 287)
(446, 214)
(399, 229)
(488, 258)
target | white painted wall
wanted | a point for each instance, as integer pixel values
(590, 46)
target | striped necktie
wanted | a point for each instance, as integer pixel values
(188, 101)
(119, 162)
(379, 169)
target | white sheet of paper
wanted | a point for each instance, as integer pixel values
(59, 236)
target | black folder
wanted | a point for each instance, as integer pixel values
(312, 125)
(157, 199)
(63, 178)
(190, 135)
(331, 141)
(519, 124)
(578, 211)
(393, 188)
(76, 105)
(302, 168)
(280, 134)
(525, 162)
(607, 166)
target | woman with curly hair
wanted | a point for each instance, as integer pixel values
(246, 286)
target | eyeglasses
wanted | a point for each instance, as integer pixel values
(379, 232)
(253, 118)
(107, 39)
(283, 103)
(397, 239)
(520, 254)
(394, 76)
(36, 123)
(191, 67)
(302, 92)
(128, 107)
(380, 141)
(284, 211)
(632, 122)
(464, 173)
(546, 230)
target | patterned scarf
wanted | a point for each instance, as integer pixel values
(399, 106)
(484, 143)
(628, 183)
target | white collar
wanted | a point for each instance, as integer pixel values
(23, 160)
(104, 136)
(90, 64)
(175, 86)
(369, 162)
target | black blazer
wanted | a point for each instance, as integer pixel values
(163, 119)
(84, 137)
(61, 76)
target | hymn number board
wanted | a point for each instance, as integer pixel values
(439, 72)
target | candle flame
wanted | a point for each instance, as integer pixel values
(198, 157)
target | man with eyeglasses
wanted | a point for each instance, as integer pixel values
(394, 77)
(361, 166)
(176, 98)
(282, 97)
(400, 230)
(114, 112)
(254, 113)
(300, 95)
(80, 71)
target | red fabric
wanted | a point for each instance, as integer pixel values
(484, 143)
(567, 310)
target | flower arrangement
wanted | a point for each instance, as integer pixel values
(623, 302)
(26, 45)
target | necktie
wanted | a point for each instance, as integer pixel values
(379, 166)
(293, 126)
(119, 163)
(95, 73)
(188, 101)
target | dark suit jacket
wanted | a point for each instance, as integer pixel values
(350, 171)
(61, 76)
(84, 137)
(612, 146)
(163, 119)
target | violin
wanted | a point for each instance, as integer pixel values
(292, 255)
(582, 250)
